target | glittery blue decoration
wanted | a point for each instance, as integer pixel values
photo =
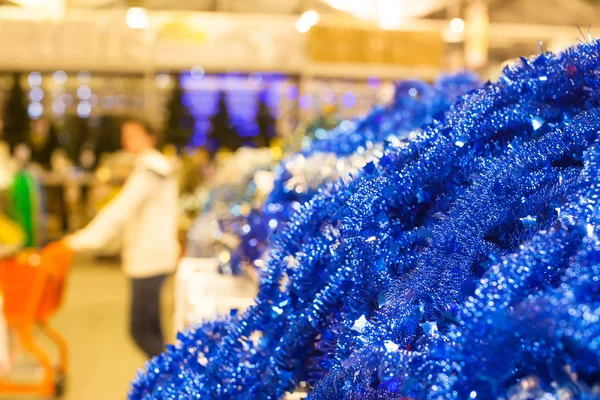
(463, 265)
(415, 104)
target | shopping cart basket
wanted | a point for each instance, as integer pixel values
(32, 285)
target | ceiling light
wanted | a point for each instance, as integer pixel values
(307, 20)
(34, 79)
(311, 17)
(302, 27)
(137, 18)
(457, 25)
(390, 14)
(60, 77)
(197, 72)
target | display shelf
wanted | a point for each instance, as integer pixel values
(202, 293)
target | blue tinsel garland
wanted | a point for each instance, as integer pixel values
(415, 103)
(463, 265)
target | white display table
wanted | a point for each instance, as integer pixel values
(202, 293)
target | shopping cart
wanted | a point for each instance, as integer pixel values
(32, 284)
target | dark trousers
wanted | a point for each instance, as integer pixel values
(144, 319)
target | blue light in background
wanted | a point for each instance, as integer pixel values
(198, 140)
(349, 99)
(197, 72)
(292, 92)
(242, 95)
(187, 100)
(253, 130)
(304, 102)
(202, 127)
(374, 82)
(35, 110)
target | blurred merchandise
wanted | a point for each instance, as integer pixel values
(223, 199)
(335, 155)
(231, 110)
(324, 122)
(192, 168)
(60, 162)
(12, 237)
(16, 118)
(24, 205)
(178, 126)
(201, 292)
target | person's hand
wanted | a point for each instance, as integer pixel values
(66, 240)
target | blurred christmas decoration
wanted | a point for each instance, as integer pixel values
(225, 200)
(477, 234)
(15, 116)
(266, 123)
(42, 152)
(237, 109)
(326, 121)
(81, 138)
(179, 122)
(223, 132)
(338, 153)
(50, 146)
(108, 138)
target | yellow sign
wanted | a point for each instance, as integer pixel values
(330, 44)
(181, 32)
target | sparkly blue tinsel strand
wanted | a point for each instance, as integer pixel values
(415, 104)
(531, 315)
(462, 265)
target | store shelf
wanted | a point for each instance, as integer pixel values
(202, 293)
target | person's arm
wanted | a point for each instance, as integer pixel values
(111, 218)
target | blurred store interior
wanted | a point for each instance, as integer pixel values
(234, 87)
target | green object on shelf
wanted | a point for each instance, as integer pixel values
(24, 201)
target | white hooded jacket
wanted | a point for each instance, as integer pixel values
(145, 212)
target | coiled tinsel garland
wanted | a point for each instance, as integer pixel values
(415, 103)
(462, 265)
(349, 147)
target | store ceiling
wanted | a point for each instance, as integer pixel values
(364, 9)
(270, 6)
(539, 12)
(546, 12)
(533, 12)
(388, 14)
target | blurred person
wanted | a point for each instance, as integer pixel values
(146, 213)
